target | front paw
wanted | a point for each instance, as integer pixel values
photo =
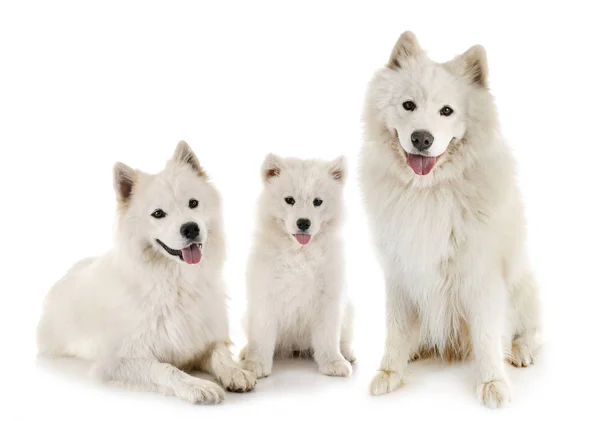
(260, 370)
(338, 368)
(494, 394)
(197, 390)
(238, 380)
(385, 382)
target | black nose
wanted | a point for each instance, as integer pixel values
(190, 230)
(421, 139)
(303, 224)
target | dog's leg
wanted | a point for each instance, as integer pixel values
(401, 335)
(346, 336)
(526, 310)
(325, 336)
(152, 375)
(486, 312)
(257, 355)
(219, 362)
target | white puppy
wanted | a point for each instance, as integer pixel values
(296, 290)
(440, 192)
(155, 304)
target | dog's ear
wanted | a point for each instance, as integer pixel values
(124, 179)
(271, 167)
(337, 169)
(406, 47)
(472, 64)
(184, 155)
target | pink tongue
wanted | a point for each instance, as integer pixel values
(192, 254)
(421, 165)
(302, 238)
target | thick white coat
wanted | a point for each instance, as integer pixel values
(296, 293)
(140, 314)
(451, 243)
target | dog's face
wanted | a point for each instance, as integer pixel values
(168, 213)
(428, 114)
(302, 196)
(424, 104)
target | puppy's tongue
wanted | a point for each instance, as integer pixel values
(302, 238)
(420, 164)
(192, 254)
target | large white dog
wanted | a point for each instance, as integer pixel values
(155, 304)
(296, 289)
(439, 188)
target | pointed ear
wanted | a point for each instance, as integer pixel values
(271, 167)
(124, 179)
(184, 155)
(337, 168)
(472, 64)
(406, 47)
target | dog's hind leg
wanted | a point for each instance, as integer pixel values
(219, 362)
(526, 319)
(152, 375)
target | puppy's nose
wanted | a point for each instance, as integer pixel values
(190, 230)
(303, 224)
(421, 139)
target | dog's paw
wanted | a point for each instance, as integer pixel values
(522, 354)
(200, 391)
(338, 368)
(259, 370)
(348, 353)
(494, 394)
(386, 382)
(238, 380)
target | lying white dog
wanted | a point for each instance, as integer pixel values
(155, 304)
(296, 290)
(440, 192)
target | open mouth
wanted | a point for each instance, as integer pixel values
(303, 239)
(191, 254)
(420, 164)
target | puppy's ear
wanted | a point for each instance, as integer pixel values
(406, 47)
(184, 155)
(124, 179)
(337, 169)
(472, 64)
(271, 167)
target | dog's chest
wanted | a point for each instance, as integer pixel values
(422, 229)
(181, 320)
(296, 281)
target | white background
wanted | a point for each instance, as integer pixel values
(83, 84)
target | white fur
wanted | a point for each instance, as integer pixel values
(296, 294)
(141, 314)
(451, 243)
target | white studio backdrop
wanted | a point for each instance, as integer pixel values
(84, 84)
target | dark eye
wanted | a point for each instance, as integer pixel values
(317, 202)
(159, 213)
(409, 105)
(446, 111)
(193, 203)
(290, 200)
